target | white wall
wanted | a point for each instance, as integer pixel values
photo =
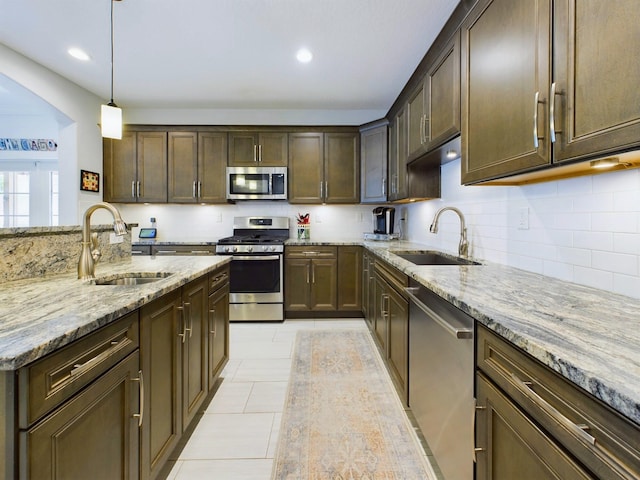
(80, 143)
(206, 223)
(584, 230)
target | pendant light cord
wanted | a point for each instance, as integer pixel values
(111, 103)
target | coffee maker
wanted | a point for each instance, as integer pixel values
(383, 219)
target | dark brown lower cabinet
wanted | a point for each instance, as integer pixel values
(391, 323)
(92, 436)
(311, 279)
(195, 315)
(160, 360)
(350, 278)
(513, 446)
(218, 332)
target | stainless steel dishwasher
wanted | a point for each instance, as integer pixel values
(441, 375)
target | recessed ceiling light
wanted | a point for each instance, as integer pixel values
(79, 54)
(304, 55)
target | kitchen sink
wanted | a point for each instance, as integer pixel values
(430, 257)
(139, 278)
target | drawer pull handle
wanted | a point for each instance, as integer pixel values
(78, 368)
(577, 430)
(140, 415)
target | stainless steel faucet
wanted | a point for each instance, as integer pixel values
(90, 254)
(463, 246)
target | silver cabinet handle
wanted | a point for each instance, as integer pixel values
(546, 407)
(476, 409)
(259, 153)
(459, 333)
(212, 312)
(140, 379)
(321, 192)
(166, 252)
(313, 273)
(183, 335)
(552, 113)
(255, 153)
(138, 189)
(194, 194)
(326, 190)
(384, 187)
(308, 267)
(536, 101)
(187, 306)
(133, 188)
(199, 189)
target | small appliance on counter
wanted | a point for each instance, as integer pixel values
(383, 219)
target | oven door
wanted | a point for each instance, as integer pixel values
(256, 279)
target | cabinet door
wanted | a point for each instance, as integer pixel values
(152, 167)
(93, 435)
(512, 446)
(505, 69)
(400, 180)
(218, 333)
(306, 182)
(297, 290)
(341, 168)
(381, 318)
(273, 149)
(365, 285)
(373, 164)
(195, 308)
(596, 70)
(160, 361)
(182, 158)
(417, 121)
(212, 163)
(350, 278)
(119, 167)
(443, 80)
(398, 315)
(324, 284)
(243, 149)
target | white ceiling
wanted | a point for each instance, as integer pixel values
(231, 54)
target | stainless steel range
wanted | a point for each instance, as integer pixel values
(256, 285)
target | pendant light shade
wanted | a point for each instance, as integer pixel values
(111, 121)
(111, 114)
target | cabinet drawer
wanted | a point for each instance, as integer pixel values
(218, 279)
(183, 250)
(601, 438)
(46, 383)
(316, 251)
(392, 276)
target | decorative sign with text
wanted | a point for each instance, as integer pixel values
(28, 144)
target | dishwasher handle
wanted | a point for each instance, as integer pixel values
(459, 333)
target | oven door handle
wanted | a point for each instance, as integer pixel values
(255, 257)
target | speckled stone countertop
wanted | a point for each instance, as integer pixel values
(39, 315)
(590, 336)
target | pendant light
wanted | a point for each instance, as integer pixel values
(111, 114)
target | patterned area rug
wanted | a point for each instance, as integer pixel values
(342, 419)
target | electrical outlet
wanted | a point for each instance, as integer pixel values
(113, 238)
(523, 220)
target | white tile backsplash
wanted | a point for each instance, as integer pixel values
(584, 230)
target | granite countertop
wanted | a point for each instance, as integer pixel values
(589, 336)
(42, 314)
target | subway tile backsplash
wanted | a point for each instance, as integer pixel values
(584, 230)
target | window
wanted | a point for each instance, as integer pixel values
(14, 208)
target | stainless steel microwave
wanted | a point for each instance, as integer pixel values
(256, 183)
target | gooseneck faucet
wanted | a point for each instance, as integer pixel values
(463, 246)
(90, 253)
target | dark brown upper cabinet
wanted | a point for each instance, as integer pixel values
(266, 149)
(516, 115)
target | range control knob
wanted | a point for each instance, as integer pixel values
(249, 248)
(235, 249)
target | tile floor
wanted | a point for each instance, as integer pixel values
(237, 436)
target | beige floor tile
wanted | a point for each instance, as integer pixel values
(264, 370)
(275, 433)
(266, 397)
(258, 469)
(226, 436)
(231, 397)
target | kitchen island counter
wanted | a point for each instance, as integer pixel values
(40, 315)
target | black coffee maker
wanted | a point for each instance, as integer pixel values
(383, 219)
